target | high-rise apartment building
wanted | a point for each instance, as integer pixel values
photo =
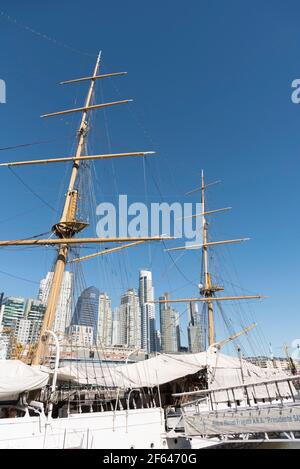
(130, 320)
(146, 298)
(195, 329)
(116, 327)
(62, 318)
(104, 328)
(169, 327)
(24, 317)
(12, 311)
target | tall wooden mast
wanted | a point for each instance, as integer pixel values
(67, 226)
(207, 290)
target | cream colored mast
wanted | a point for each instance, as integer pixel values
(67, 226)
(207, 288)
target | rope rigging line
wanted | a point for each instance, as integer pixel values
(87, 200)
(63, 182)
(145, 171)
(168, 253)
(31, 190)
(230, 329)
(81, 284)
(29, 144)
(30, 237)
(178, 268)
(54, 41)
(239, 310)
(147, 135)
(74, 295)
(19, 278)
(245, 315)
(146, 199)
(20, 214)
(89, 193)
(123, 257)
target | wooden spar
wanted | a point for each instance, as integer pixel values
(198, 189)
(106, 251)
(106, 75)
(212, 243)
(194, 190)
(213, 298)
(216, 243)
(66, 241)
(87, 108)
(215, 211)
(85, 157)
(220, 344)
(205, 213)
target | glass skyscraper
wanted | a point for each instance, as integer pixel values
(87, 310)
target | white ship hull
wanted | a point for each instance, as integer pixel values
(138, 429)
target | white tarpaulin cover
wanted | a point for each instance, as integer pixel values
(224, 371)
(147, 373)
(17, 377)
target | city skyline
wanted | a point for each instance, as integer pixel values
(94, 321)
(105, 322)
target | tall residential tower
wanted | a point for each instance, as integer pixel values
(146, 298)
(195, 329)
(64, 306)
(169, 327)
(130, 320)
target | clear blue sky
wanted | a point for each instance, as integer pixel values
(211, 82)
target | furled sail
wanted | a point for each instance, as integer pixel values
(225, 371)
(16, 377)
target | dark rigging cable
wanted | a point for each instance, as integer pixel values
(31, 190)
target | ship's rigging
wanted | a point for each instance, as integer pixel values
(69, 224)
(74, 219)
(207, 289)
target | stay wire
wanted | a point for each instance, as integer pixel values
(41, 35)
(31, 190)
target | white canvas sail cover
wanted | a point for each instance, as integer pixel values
(17, 377)
(158, 370)
(223, 370)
